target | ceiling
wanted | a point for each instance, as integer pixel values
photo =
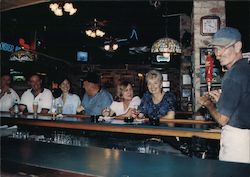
(62, 37)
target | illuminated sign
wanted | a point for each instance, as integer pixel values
(161, 58)
(9, 47)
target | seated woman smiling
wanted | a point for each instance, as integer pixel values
(126, 101)
(155, 102)
(71, 102)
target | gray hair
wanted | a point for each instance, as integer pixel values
(153, 74)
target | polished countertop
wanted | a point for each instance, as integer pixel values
(114, 163)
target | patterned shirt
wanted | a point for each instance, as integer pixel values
(149, 109)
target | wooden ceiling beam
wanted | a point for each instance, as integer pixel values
(14, 4)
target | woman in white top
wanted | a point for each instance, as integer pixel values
(70, 102)
(127, 102)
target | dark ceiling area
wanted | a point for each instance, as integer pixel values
(62, 37)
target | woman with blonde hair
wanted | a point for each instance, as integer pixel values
(126, 101)
(155, 102)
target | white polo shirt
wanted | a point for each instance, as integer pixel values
(71, 103)
(118, 108)
(44, 100)
(8, 100)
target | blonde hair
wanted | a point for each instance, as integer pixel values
(121, 88)
(153, 74)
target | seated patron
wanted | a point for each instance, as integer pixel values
(127, 101)
(37, 94)
(8, 96)
(95, 98)
(155, 102)
(70, 102)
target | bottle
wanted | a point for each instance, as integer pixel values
(53, 108)
(189, 105)
(16, 107)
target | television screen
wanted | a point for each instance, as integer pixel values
(82, 56)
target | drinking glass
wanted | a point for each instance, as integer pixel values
(35, 108)
(59, 108)
(106, 112)
(136, 111)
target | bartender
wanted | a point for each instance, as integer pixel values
(232, 109)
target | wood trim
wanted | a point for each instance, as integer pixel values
(118, 129)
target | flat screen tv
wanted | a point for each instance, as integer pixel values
(82, 56)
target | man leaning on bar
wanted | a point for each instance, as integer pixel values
(38, 94)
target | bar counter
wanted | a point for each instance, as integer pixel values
(83, 122)
(93, 161)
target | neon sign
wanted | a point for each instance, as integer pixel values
(9, 47)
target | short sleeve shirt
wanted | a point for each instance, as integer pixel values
(234, 101)
(118, 108)
(8, 100)
(149, 109)
(94, 105)
(71, 103)
(44, 99)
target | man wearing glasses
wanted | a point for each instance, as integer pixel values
(230, 108)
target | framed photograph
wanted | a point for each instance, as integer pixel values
(186, 92)
(216, 75)
(186, 79)
(203, 53)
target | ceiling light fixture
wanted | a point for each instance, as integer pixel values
(94, 31)
(58, 8)
(165, 47)
(111, 45)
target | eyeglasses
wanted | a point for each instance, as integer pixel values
(221, 49)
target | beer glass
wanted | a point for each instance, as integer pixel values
(35, 108)
(59, 108)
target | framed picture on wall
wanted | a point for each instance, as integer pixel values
(186, 92)
(203, 53)
(216, 75)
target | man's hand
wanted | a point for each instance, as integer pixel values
(215, 95)
(206, 101)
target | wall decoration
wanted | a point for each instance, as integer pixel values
(186, 92)
(203, 53)
(216, 76)
(209, 25)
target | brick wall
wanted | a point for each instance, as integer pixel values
(203, 8)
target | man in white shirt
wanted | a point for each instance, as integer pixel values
(37, 94)
(8, 96)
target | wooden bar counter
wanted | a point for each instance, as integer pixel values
(83, 122)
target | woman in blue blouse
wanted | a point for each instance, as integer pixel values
(155, 102)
